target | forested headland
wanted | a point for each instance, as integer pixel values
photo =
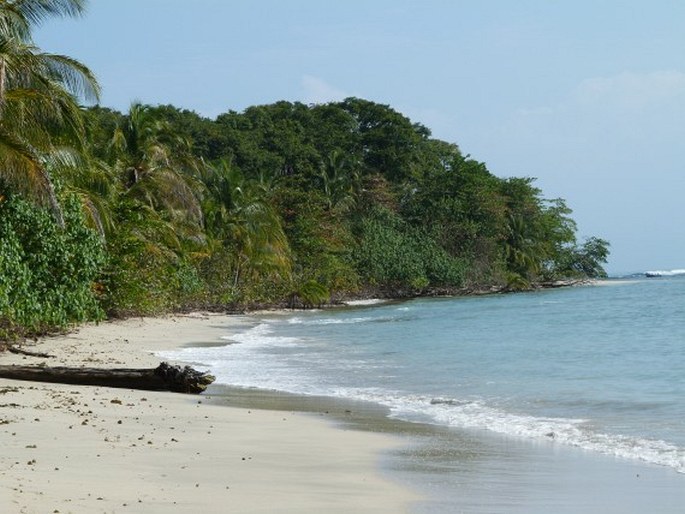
(158, 209)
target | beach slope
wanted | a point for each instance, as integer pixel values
(94, 449)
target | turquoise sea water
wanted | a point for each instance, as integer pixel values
(600, 367)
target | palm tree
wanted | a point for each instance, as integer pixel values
(17, 17)
(261, 246)
(157, 166)
(39, 96)
(240, 218)
(520, 249)
(92, 181)
(340, 180)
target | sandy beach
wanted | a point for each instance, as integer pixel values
(93, 449)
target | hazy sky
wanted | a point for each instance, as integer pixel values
(588, 96)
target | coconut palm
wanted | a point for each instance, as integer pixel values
(340, 180)
(39, 98)
(519, 248)
(92, 181)
(156, 165)
(240, 218)
(17, 17)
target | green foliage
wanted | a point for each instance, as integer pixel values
(321, 242)
(392, 253)
(40, 93)
(345, 196)
(240, 216)
(585, 260)
(269, 140)
(538, 233)
(459, 203)
(163, 209)
(150, 269)
(310, 294)
(100, 124)
(280, 204)
(203, 134)
(389, 141)
(47, 274)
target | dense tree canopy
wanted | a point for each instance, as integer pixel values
(159, 208)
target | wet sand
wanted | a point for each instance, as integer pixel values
(480, 472)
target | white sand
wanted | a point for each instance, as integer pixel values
(93, 449)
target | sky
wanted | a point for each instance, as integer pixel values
(586, 96)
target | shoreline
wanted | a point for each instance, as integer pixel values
(481, 472)
(432, 468)
(94, 449)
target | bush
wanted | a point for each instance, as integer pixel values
(47, 273)
(393, 254)
(308, 295)
(140, 280)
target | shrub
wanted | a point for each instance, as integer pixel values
(392, 253)
(47, 273)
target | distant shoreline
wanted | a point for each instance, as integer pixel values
(383, 294)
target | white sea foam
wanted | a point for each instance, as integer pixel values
(261, 334)
(619, 281)
(665, 273)
(250, 369)
(257, 361)
(338, 321)
(265, 360)
(370, 301)
(478, 415)
(325, 321)
(573, 432)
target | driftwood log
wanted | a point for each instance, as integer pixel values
(164, 377)
(21, 351)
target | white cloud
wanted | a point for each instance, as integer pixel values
(318, 91)
(631, 110)
(631, 90)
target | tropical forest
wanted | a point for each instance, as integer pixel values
(158, 209)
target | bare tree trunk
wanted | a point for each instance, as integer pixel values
(52, 198)
(162, 378)
(3, 86)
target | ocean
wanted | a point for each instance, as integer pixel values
(596, 371)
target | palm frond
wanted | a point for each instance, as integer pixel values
(36, 11)
(13, 23)
(76, 78)
(23, 167)
(38, 113)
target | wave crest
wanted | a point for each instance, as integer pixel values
(664, 273)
